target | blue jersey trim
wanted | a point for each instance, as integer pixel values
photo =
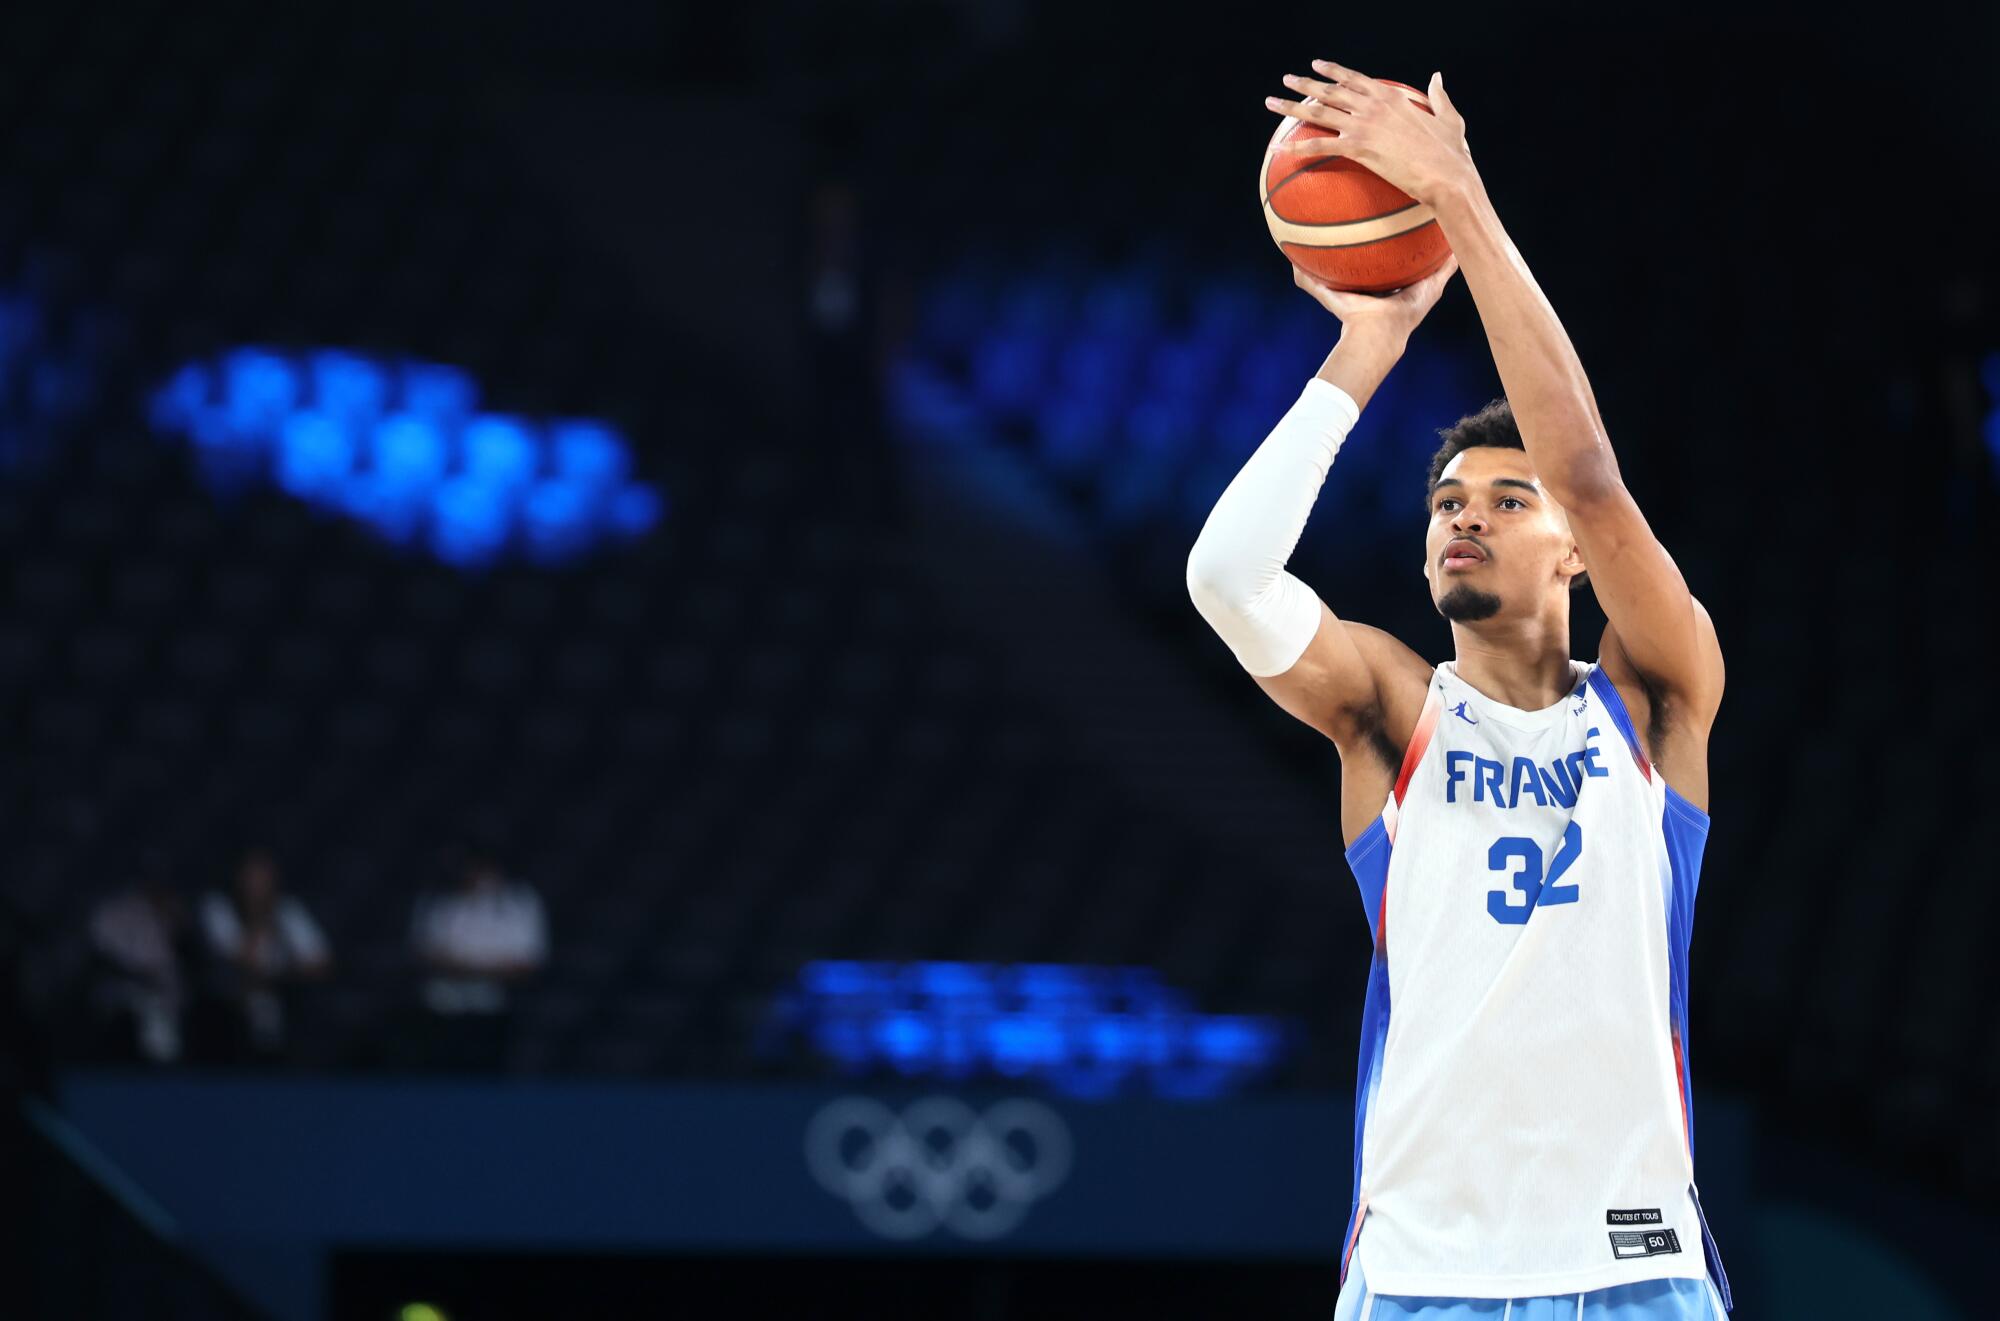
(1607, 693)
(1686, 837)
(1686, 829)
(1371, 874)
(1368, 858)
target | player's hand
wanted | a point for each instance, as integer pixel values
(1379, 126)
(1396, 314)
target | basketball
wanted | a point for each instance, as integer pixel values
(1340, 222)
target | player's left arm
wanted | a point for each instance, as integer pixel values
(1661, 632)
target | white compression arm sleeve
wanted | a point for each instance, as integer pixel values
(1236, 571)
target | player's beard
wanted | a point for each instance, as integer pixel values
(1466, 604)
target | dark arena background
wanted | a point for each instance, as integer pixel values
(641, 548)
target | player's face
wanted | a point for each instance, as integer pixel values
(1496, 538)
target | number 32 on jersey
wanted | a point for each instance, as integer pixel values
(1530, 887)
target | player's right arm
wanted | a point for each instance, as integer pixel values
(1345, 680)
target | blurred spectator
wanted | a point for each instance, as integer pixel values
(476, 937)
(261, 943)
(142, 956)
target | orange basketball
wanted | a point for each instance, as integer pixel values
(1342, 222)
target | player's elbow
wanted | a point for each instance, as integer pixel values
(1576, 464)
(1218, 596)
(1585, 485)
(1201, 569)
(1213, 584)
(1201, 588)
(1216, 577)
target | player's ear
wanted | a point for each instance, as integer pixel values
(1572, 566)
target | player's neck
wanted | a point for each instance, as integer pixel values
(1522, 663)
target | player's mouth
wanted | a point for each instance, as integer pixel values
(1462, 554)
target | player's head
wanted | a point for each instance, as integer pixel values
(1484, 499)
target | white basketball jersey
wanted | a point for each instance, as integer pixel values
(1522, 1120)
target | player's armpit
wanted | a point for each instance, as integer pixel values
(1355, 684)
(1662, 631)
(1619, 668)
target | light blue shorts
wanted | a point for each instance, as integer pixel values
(1648, 1300)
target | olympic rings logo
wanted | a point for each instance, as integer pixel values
(938, 1163)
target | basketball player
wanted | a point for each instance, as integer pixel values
(1526, 829)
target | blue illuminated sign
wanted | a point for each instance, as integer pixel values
(1088, 1032)
(403, 447)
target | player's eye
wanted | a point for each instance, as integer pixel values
(1446, 501)
(1513, 500)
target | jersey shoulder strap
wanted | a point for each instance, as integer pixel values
(1607, 693)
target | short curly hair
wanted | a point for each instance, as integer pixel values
(1492, 425)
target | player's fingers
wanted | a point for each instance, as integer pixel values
(1360, 83)
(1331, 94)
(1441, 101)
(1328, 297)
(1308, 112)
(1345, 303)
(1312, 284)
(1311, 147)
